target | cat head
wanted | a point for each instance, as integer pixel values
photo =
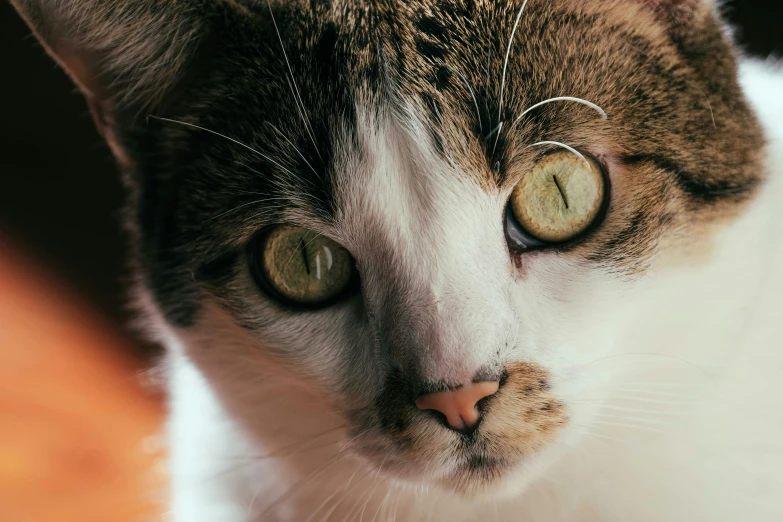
(428, 215)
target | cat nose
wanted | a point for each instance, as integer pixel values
(459, 405)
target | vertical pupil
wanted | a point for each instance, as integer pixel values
(560, 189)
(303, 249)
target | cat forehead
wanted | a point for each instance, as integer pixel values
(468, 70)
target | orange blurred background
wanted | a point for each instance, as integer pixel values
(80, 425)
(79, 431)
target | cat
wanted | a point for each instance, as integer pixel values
(453, 260)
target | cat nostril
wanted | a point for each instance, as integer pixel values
(459, 406)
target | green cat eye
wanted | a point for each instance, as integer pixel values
(560, 198)
(301, 266)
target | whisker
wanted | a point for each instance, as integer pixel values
(645, 410)
(297, 96)
(489, 82)
(301, 484)
(662, 384)
(372, 491)
(642, 399)
(298, 447)
(472, 94)
(193, 125)
(647, 391)
(396, 506)
(632, 426)
(508, 54)
(592, 105)
(642, 420)
(562, 145)
(345, 497)
(497, 138)
(493, 131)
(602, 436)
(278, 131)
(353, 439)
(331, 497)
(243, 205)
(304, 247)
(648, 354)
(385, 499)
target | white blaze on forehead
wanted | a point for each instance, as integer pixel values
(429, 241)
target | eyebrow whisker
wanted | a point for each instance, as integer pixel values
(294, 88)
(508, 54)
(296, 149)
(210, 131)
(564, 146)
(472, 94)
(243, 205)
(592, 105)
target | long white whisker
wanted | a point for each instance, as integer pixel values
(385, 499)
(563, 145)
(396, 506)
(372, 491)
(632, 426)
(472, 94)
(636, 398)
(278, 131)
(661, 384)
(667, 411)
(654, 422)
(255, 202)
(345, 497)
(489, 82)
(592, 105)
(248, 147)
(647, 391)
(602, 436)
(505, 64)
(493, 131)
(304, 247)
(301, 484)
(497, 138)
(297, 96)
(353, 439)
(646, 354)
(332, 496)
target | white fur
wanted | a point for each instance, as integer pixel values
(674, 382)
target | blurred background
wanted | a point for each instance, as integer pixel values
(79, 429)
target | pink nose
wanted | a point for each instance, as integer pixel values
(459, 406)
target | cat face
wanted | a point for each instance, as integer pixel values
(378, 203)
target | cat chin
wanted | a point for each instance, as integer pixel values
(489, 479)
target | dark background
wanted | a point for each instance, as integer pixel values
(59, 191)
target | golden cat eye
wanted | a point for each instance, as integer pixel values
(303, 267)
(560, 198)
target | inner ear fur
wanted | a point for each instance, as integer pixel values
(120, 53)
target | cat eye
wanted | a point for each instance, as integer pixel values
(301, 267)
(559, 200)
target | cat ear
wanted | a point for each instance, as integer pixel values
(124, 55)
